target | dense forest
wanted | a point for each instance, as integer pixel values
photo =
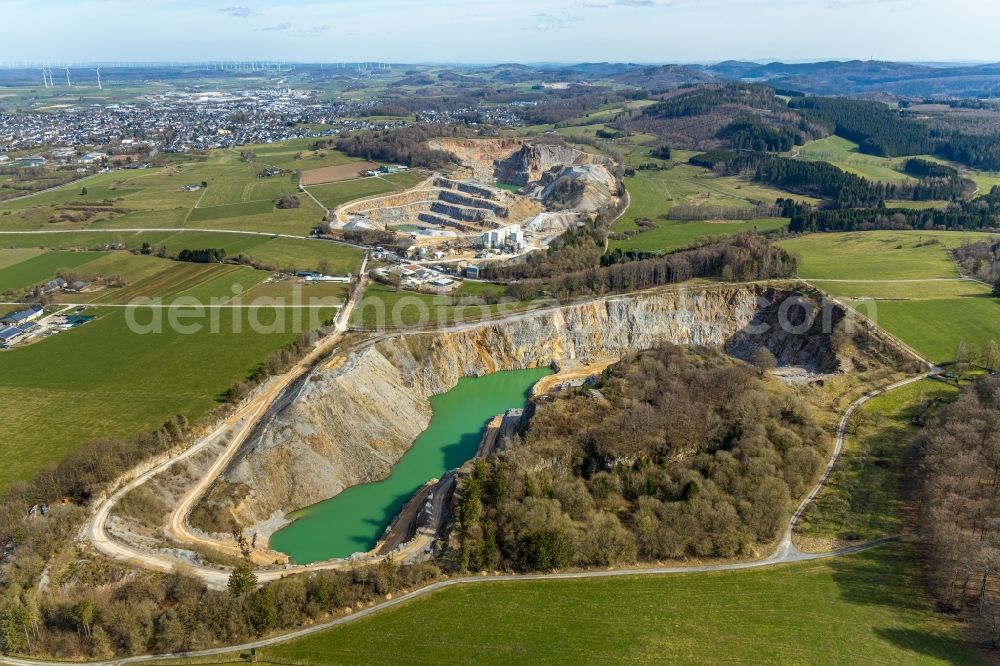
(677, 452)
(920, 168)
(750, 133)
(875, 127)
(976, 151)
(980, 260)
(703, 100)
(407, 145)
(960, 506)
(982, 213)
(742, 257)
(824, 180)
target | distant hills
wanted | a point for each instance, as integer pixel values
(853, 77)
(868, 76)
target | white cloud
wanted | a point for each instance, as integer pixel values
(237, 12)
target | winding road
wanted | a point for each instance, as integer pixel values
(784, 553)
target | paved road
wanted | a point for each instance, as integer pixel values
(452, 582)
(269, 234)
(52, 189)
(247, 418)
(238, 425)
(244, 419)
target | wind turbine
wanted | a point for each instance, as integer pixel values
(99, 86)
(45, 79)
(67, 76)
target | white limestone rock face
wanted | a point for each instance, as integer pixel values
(351, 424)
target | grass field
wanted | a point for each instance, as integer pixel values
(41, 268)
(863, 499)
(935, 327)
(653, 193)
(865, 608)
(231, 210)
(671, 235)
(337, 194)
(203, 282)
(11, 257)
(304, 254)
(844, 154)
(879, 255)
(928, 289)
(383, 307)
(235, 195)
(931, 316)
(102, 379)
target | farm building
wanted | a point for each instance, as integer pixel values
(22, 316)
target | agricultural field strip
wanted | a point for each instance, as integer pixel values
(896, 281)
(179, 306)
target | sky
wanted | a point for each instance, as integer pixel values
(685, 31)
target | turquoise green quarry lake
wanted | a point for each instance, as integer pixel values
(354, 520)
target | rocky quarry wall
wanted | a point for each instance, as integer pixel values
(351, 424)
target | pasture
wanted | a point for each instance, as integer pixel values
(935, 327)
(279, 252)
(653, 193)
(845, 154)
(337, 194)
(863, 499)
(878, 255)
(671, 235)
(40, 268)
(863, 608)
(385, 308)
(905, 281)
(332, 174)
(231, 194)
(103, 380)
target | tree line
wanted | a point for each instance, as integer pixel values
(982, 213)
(960, 506)
(741, 257)
(824, 180)
(407, 145)
(875, 127)
(750, 133)
(682, 453)
(152, 612)
(212, 255)
(981, 260)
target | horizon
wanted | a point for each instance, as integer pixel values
(26, 64)
(448, 32)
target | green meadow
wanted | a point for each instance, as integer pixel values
(104, 380)
(271, 250)
(653, 193)
(863, 499)
(336, 194)
(864, 608)
(907, 282)
(41, 268)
